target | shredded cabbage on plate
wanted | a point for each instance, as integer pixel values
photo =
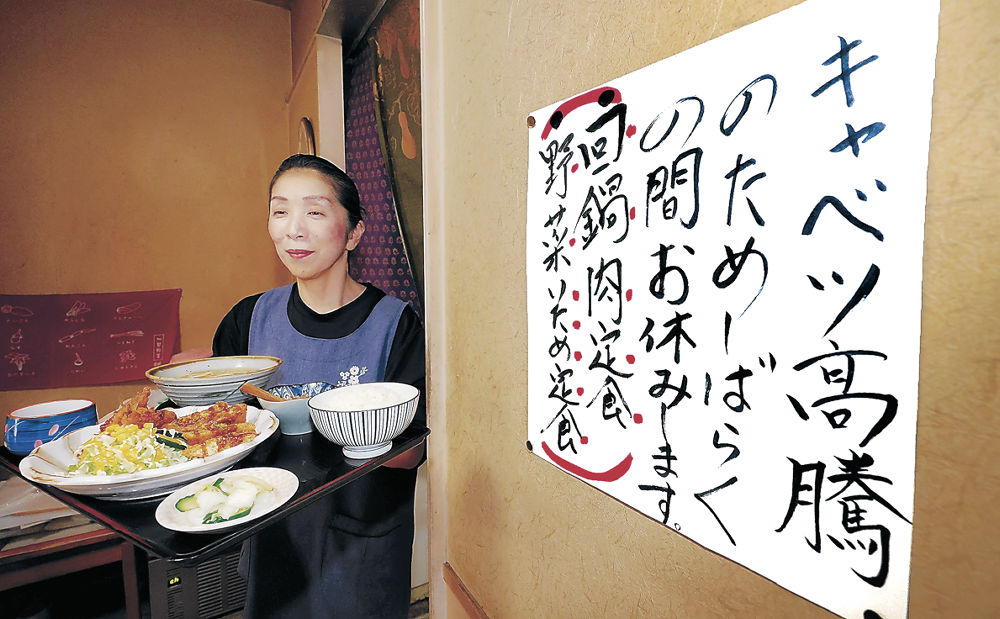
(126, 449)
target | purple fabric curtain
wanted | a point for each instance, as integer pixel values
(382, 257)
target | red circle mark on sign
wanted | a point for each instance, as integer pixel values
(580, 100)
(613, 474)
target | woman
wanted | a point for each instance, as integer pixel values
(347, 555)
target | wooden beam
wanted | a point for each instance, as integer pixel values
(465, 597)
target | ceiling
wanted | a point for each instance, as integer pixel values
(285, 4)
(346, 20)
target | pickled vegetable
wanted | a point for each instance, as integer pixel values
(227, 498)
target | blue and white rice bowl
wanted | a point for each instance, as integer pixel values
(31, 426)
(364, 418)
(201, 382)
(293, 413)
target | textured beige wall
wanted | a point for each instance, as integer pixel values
(956, 555)
(303, 101)
(306, 16)
(138, 138)
(529, 540)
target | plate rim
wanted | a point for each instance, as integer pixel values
(153, 373)
(63, 482)
(283, 497)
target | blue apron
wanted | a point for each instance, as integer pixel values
(348, 554)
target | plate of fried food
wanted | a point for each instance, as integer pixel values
(140, 451)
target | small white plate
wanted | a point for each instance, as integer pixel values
(285, 484)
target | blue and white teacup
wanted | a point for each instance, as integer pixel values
(293, 413)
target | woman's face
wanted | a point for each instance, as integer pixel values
(309, 226)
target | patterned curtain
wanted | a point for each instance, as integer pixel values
(382, 109)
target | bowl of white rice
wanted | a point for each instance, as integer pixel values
(364, 418)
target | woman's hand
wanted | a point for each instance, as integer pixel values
(191, 353)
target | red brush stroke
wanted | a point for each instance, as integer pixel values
(614, 473)
(580, 100)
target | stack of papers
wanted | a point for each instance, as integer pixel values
(27, 514)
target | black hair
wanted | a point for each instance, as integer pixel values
(343, 186)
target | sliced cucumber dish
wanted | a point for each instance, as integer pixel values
(224, 499)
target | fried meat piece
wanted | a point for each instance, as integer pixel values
(136, 411)
(214, 429)
(218, 414)
(218, 443)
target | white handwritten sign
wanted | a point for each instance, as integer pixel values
(723, 272)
